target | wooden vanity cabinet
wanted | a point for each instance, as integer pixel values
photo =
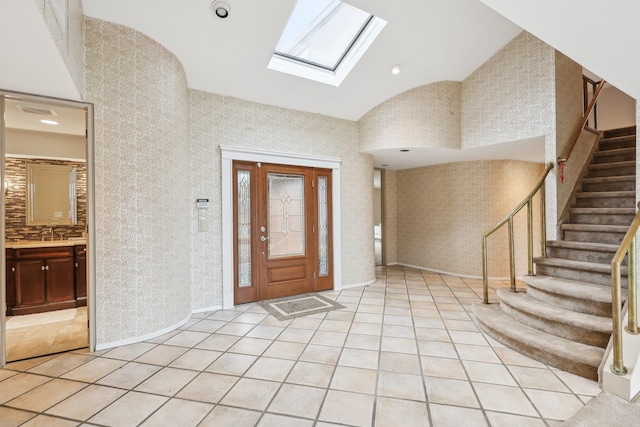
(44, 279)
(81, 275)
(10, 281)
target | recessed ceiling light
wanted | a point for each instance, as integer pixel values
(404, 150)
(220, 9)
(49, 122)
(395, 69)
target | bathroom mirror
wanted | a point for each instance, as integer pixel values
(51, 195)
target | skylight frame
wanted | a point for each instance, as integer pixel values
(311, 70)
(342, 56)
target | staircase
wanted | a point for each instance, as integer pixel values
(564, 318)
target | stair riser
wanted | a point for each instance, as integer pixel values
(543, 356)
(605, 202)
(558, 329)
(593, 236)
(579, 275)
(604, 219)
(615, 145)
(574, 303)
(579, 255)
(604, 157)
(609, 186)
(612, 171)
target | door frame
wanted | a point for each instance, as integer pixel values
(228, 155)
(91, 259)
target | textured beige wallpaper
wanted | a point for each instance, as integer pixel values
(217, 120)
(427, 116)
(67, 32)
(442, 212)
(511, 96)
(391, 216)
(142, 183)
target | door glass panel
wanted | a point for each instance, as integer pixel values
(286, 215)
(244, 228)
(323, 227)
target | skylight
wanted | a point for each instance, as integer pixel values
(324, 39)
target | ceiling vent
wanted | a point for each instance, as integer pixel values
(36, 109)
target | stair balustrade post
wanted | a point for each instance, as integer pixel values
(617, 367)
(530, 236)
(632, 321)
(512, 256)
(485, 275)
(543, 221)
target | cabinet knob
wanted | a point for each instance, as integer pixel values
(13, 269)
(42, 268)
(47, 268)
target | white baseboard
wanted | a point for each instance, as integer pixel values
(358, 285)
(449, 273)
(204, 310)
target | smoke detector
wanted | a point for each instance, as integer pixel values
(221, 9)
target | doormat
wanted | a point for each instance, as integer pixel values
(299, 305)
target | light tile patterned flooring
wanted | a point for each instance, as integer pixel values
(405, 352)
(47, 338)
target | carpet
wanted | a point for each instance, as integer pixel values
(299, 305)
(26, 320)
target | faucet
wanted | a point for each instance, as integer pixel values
(51, 230)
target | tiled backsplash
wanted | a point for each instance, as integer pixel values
(15, 200)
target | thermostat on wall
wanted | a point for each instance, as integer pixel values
(202, 203)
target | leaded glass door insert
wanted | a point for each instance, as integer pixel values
(286, 215)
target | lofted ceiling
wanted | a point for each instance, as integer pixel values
(432, 40)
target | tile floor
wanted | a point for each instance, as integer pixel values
(405, 352)
(47, 338)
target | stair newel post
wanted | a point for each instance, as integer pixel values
(512, 256)
(530, 236)
(618, 365)
(632, 325)
(543, 221)
(485, 277)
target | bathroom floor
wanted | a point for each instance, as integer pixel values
(405, 351)
(39, 334)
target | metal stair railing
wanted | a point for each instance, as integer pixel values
(627, 247)
(528, 201)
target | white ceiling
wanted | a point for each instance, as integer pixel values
(602, 36)
(432, 40)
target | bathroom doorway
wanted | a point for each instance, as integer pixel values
(378, 216)
(46, 173)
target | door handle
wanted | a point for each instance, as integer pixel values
(264, 238)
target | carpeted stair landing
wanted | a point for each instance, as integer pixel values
(563, 319)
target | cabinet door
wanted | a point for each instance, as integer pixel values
(60, 279)
(30, 279)
(11, 286)
(81, 275)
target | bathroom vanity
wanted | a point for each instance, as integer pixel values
(45, 276)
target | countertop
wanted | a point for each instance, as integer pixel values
(43, 244)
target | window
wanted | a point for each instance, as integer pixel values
(324, 39)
